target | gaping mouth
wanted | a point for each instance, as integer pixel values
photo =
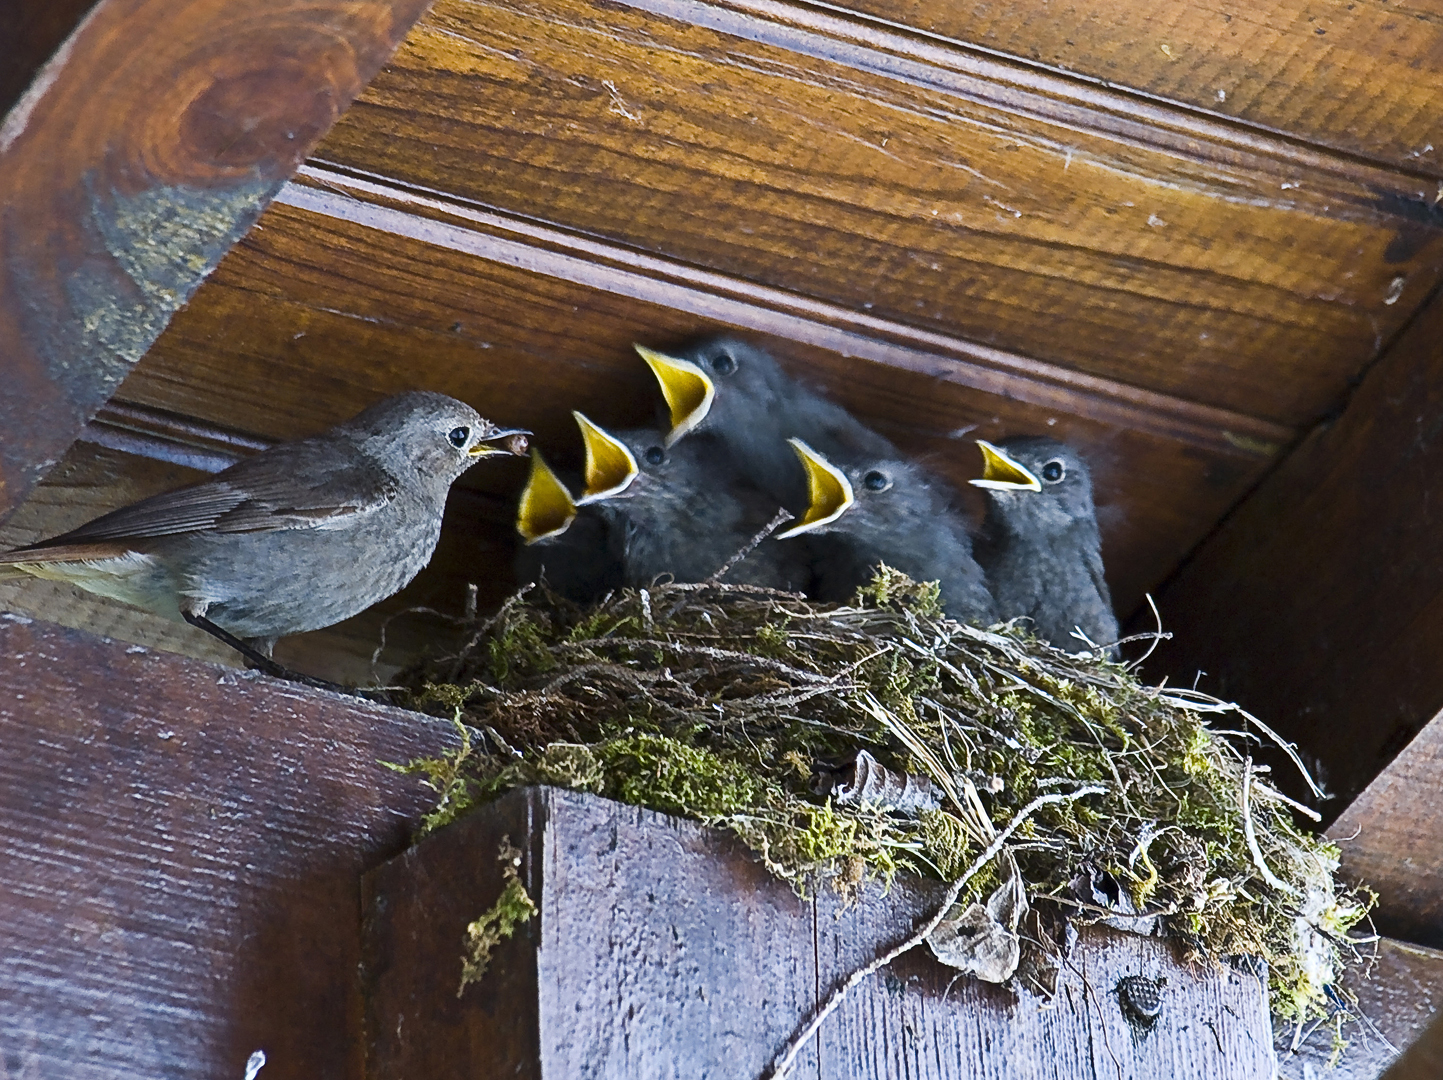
(829, 491)
(610, 467)
(511, 441)
(1002, 473)
(688, 390)
(546, 508)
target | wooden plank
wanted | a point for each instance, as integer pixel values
(180, 851)
(143, 149)
(312, 317)
(869, 169)
(1392, 838)
(1319, 603)
(1362, 76)
(662, 948)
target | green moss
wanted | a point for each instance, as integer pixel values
(725, 703)
(512, 908)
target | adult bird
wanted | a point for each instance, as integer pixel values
(1040, 546)
(296, 538)
(870, 510)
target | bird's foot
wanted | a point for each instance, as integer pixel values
(256, 659)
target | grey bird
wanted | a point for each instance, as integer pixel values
(869, 510)
(296, 538)
(895, 512)
(737, 393)
(1040, 545)
(573, 545)
(647, 511)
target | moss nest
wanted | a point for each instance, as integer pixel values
(759, 712)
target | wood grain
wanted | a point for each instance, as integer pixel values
(663, 949)
(1319, 603)
(180, 852)
(880, 176)
(142, 150)
(313, 317)
(1362, 76)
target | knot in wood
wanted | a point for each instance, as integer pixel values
(1140, 998)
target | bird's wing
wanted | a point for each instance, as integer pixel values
(306, 485)
(1099, 581)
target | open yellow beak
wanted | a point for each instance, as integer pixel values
(547, 508)
(1002, 473)
(610, 468)
(829, 491)
(688, 390)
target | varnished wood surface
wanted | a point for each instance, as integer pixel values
(1362, 76)
(351, 313)
(1319, 603)
(146, 145)
(888, 178)
(663, 949)
(180, 856)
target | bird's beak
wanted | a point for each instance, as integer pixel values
(510, 441)
(547, 508)
(610, 468)
(828, 487)
(1002, 473)
(688, 390)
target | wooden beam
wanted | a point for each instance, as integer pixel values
(141, 151)
(664, 948)
(1362, 76)
(180, 854)
(32, 30)
(1319, 603)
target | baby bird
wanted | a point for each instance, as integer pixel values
(1039, 544)
(870, 510)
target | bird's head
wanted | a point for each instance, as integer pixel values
(436, 435)
(1037, 479)
(869, 496)
(715, 382)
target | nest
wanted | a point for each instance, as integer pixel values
(849, 743)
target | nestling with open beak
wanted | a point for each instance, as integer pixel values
(1039, 544)
(738, 394)
(681, 511)
(868, 511)
(296, 538)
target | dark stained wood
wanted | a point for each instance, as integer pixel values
(1363, 76)
(180, 853)
(1391, 838)
(863, 168)
(31, 31)
(1319, 603)
(143, 149)
(313, 317)
(662, 948)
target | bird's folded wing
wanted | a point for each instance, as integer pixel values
(304, 485)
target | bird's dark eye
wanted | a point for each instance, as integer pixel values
(876, 481)
(654, 455)
(724, 363)
(458, 436)
(1054, 471)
